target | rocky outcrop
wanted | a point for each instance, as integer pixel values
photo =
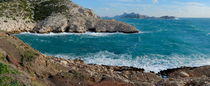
(114, 26)
(61, 23)
(183, 72)
(54, 23)
(43, 16)
(167, 17)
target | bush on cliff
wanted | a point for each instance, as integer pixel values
(9, 81)
(15, 8)
(46, 8)
(33, 10)
(6, 76)
(5, 69)
(28, 56)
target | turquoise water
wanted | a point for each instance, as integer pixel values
(162, 44)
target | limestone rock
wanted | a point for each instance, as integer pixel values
(54, 23)
(184, 74)
(114, 26)
(76, 24)
(15, 25)
(44, 16)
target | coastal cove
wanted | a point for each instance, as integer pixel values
(162, 44)
(60, 43)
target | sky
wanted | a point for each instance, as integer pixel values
(178, 8)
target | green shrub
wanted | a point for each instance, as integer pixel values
(9, 81)
(16, 8)
(34, 10)
(5, 69)
(2, 58)
(46, 8)
(28, 56)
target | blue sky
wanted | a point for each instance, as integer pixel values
(179, 8)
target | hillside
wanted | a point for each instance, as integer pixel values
(45, 16)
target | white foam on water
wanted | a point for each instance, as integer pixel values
(177, 19)
(87, 33)
(152, 62)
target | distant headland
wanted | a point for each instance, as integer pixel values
(140, 16)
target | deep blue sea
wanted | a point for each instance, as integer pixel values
(161, 44)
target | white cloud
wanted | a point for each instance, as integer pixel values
(166, 7)
(187, 9)
(154, 1)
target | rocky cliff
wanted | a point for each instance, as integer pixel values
(45, 16)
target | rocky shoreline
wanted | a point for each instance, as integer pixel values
(36, 69)
(21, 65)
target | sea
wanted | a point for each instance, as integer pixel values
(162, 44)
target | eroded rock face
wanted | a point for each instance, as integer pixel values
(16, 25)
(44, 16)
(114, 26)
(61, 23)
(54, 23)
(76, 24)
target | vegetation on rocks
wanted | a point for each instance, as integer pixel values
(31, 9)
(7, 76)
(41, 70)
(15, 8)
(9, 81)
(28, 56)
(36, 15)
(5, 69)
(52, 6)
(2, 57)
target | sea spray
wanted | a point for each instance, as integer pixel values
(152, 62)
(65, 33)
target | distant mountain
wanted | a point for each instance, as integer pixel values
(139, 16)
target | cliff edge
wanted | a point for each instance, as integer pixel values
(43, 16)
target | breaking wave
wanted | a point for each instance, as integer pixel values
(79, 34)
(152, 62)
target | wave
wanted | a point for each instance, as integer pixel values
(177, 19)
(152, 62)
(97, 34)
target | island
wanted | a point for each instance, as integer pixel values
(139, 16)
